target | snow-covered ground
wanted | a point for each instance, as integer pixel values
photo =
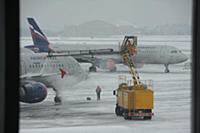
(172, 92)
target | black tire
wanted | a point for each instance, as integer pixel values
(126, 117)
(121, 111)
(92, 69)
(166, 71)
(118, 111)
(148, 117)
(57, 100)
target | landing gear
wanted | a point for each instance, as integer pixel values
(92, 69)
(57, 98)
(166, 68)
(126, 117)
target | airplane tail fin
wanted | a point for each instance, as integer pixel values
(39, 39)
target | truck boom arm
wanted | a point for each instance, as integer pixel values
(129, 50)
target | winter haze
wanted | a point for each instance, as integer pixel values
(95, 17)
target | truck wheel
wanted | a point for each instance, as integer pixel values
(118, 111)
(121, 111)
(147, 117)
(126, 117)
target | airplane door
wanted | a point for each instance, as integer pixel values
(163, 54)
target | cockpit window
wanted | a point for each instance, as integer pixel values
(174, 51)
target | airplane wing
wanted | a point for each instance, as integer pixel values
(91, 52)
(106, 61)
(61, 72)
(34, 75)
(85, 56)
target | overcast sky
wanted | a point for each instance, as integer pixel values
(55, 14)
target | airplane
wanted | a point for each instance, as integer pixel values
(149, 54)
(39, 72)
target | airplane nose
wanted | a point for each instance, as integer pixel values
(183, 58)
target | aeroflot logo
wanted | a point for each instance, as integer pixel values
(36, 32)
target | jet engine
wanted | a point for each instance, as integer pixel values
(32, 92)
(107, 64)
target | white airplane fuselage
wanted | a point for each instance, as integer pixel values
(49, 68)
(147, 54)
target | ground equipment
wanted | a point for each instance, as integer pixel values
(134, 99)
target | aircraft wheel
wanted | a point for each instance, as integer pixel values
(166, 70)
(57, 100)
(92, 69)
